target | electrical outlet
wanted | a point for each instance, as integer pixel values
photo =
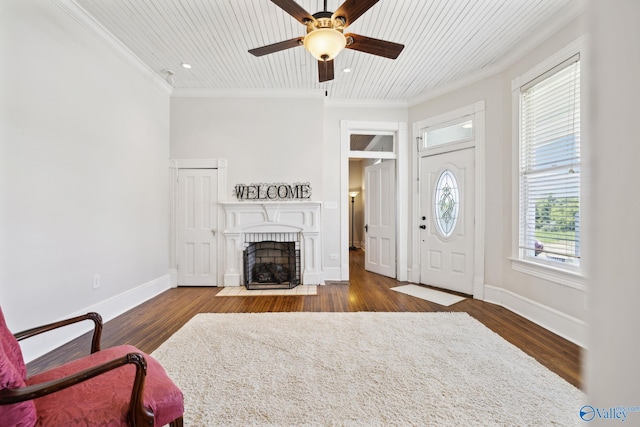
(96, 281)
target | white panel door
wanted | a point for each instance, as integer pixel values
(197, 219)
(380, 218)
(447, 197)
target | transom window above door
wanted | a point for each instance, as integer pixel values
(459, 131)
(372, 146)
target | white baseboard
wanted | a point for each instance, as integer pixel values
(173, 277)
(110, 308)
(568, 327)
(332, 273)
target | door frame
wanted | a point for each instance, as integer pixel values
(477, 111)
(175, 165)
(400, 132)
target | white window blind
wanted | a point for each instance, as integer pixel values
(550, 166)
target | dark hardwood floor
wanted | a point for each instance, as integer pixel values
(151, 323)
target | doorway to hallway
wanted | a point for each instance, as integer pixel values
(381, 222)
(373, 182)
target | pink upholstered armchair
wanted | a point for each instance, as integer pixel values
(118, 386)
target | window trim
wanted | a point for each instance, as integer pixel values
(572, 276)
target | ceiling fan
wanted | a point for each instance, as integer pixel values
(325, 34)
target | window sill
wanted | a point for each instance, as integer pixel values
(556, 275)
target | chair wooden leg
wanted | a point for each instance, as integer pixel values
(176, 423)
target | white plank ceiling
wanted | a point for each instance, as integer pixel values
(446, 41)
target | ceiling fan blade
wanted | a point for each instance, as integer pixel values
(295, 10)
(277, 47)
(374, 46)
(325, 70)
(351, 10)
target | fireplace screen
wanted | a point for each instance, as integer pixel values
(271, 265)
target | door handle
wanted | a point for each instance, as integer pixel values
(424, 227)
(366, 228)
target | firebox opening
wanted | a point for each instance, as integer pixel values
(271, 265)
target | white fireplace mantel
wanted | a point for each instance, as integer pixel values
(242, 218)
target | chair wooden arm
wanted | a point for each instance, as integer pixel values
(97, 329)
(138, 414)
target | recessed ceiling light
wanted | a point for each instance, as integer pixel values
(185, 65)
(346, 70)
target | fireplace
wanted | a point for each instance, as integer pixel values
(282, 222)
(271, 265)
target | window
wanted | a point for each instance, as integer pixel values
(446, 202)
(358, 142)
(549, 170)
(459, 131)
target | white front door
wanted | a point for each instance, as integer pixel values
(380, 218)
(197, 219)
(446, 218)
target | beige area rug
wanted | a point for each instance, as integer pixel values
(360, 369)
(241, 291)
(442, 298)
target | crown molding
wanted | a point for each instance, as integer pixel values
(458, 84)
(278, 93)
(82, 17)
(366, 103)
(245, 93)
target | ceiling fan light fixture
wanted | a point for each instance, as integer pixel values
(325, 43)
(325, 38)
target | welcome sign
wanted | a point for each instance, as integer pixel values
(278, 191)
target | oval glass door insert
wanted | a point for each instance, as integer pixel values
(446, 202)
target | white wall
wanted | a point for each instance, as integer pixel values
(264, 140)
(557, 307)
(83, 172)
(612, 369)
